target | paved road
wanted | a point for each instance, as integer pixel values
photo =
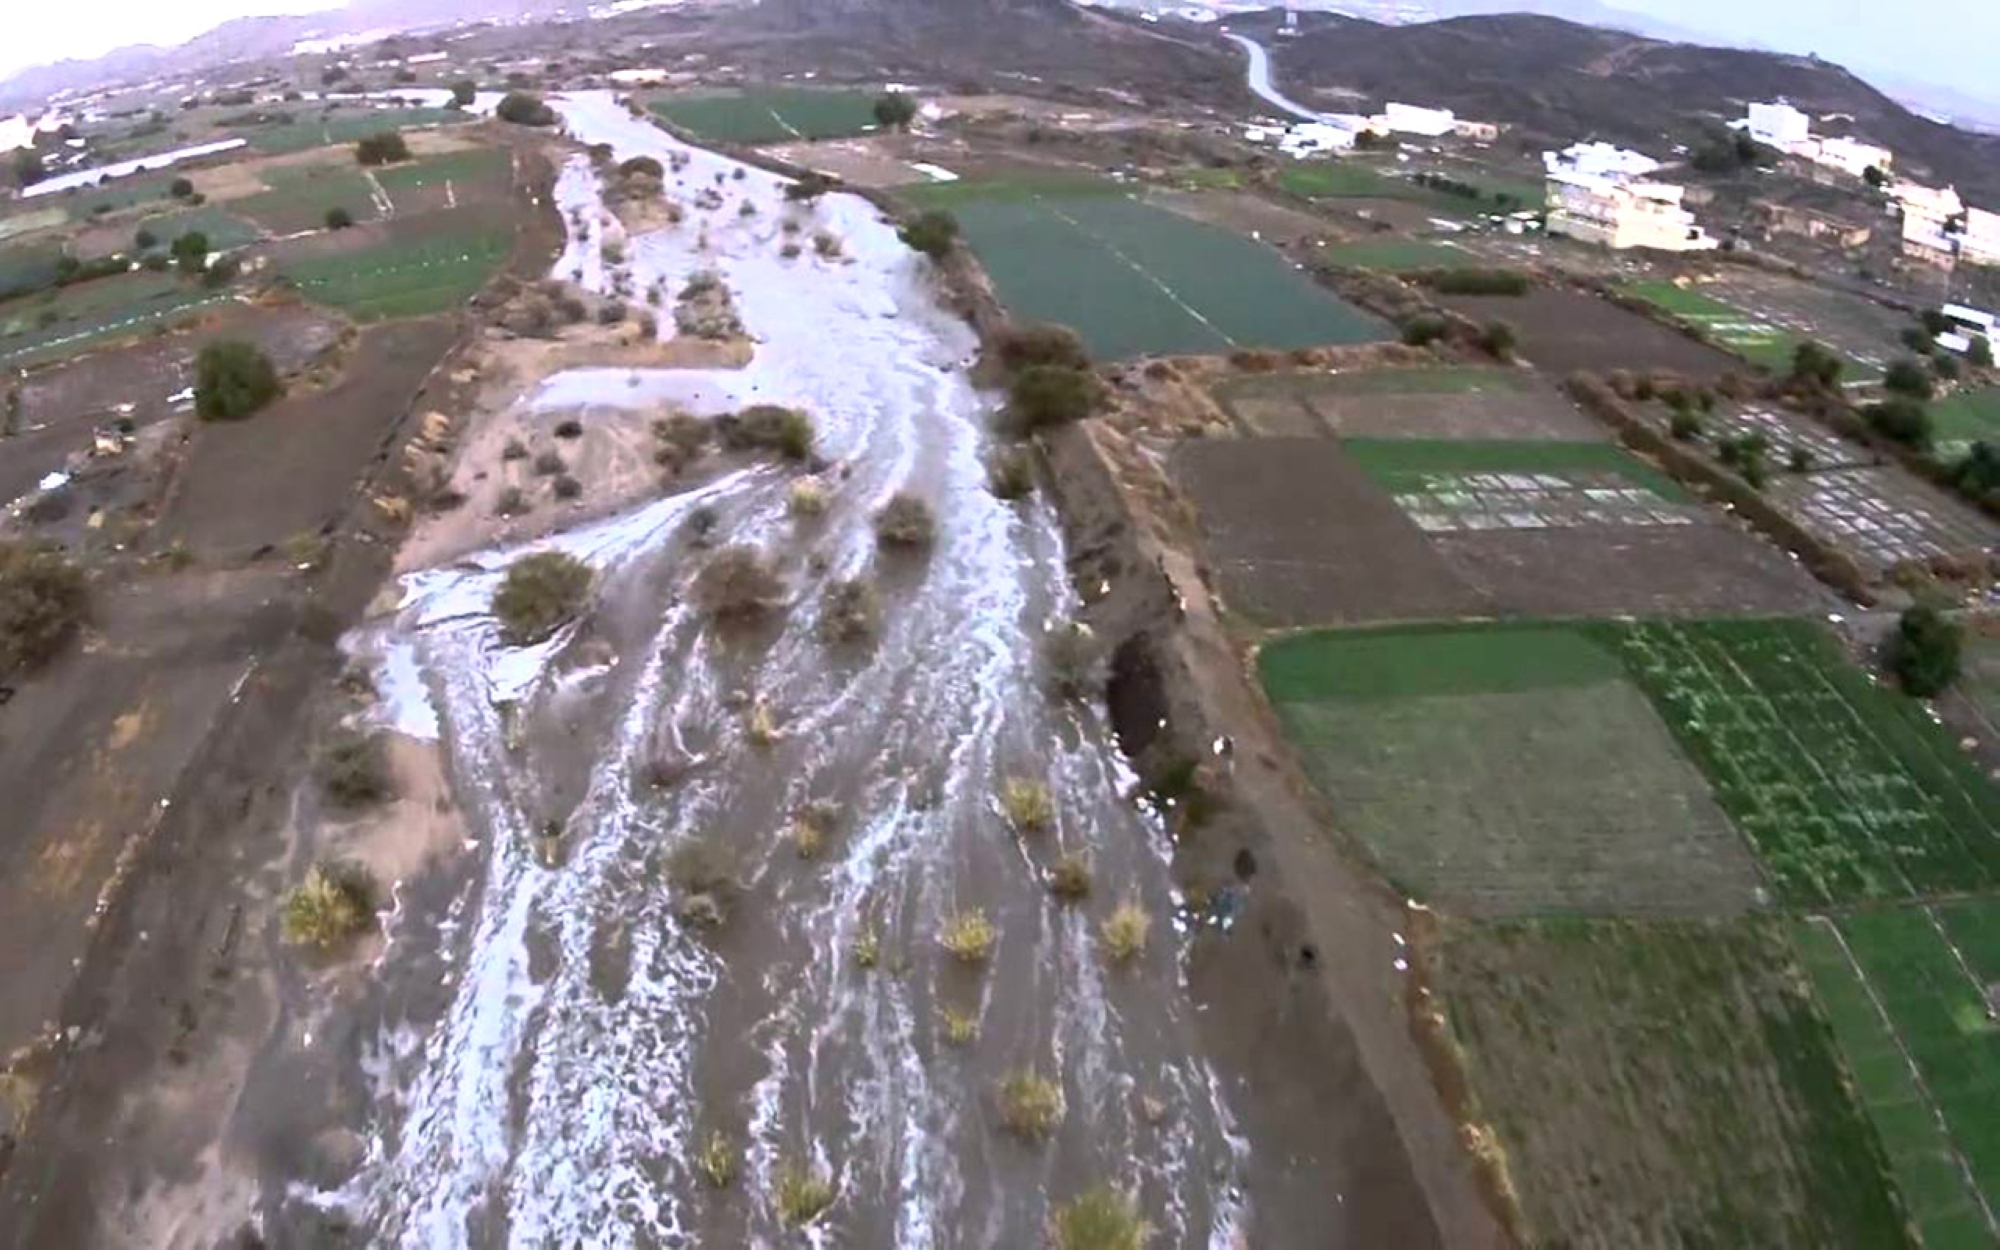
(1260, 81)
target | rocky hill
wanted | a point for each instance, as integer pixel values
(1559, 81)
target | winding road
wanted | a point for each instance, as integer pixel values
(1258, 74)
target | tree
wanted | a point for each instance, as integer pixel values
(809, 187)
(463, 92)
(1924, 651)
(1813, 362)
(1907, 377)
(190, 252)
(896, 110)
(1919, 340)
(1498, 339)
(28, 168)
(1934, 321)
(1980, 354)
(382, 148)
(145, 239)
(232, 380)
(1874, 177)
(180, 188)
(932, 233)
(1040, 343)
(524, 108)
(338, 218)
(1903, 419)
(331, 75)
(1945, 368)
(1050, 395)
(1978, 473)
(540, 594)
(43, 598)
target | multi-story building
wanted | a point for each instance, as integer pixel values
(1850, 156)
(1979, 237)
(1780, 126)
(1410, 119)
(1620, 212)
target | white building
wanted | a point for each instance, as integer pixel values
(1600, 160)
(1850, 156)
(639, 77)
(1620, 213)
(1410, 119)
(1780, 126)
(1930, 218)
(1979, 240)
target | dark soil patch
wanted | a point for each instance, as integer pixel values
(1298, 535)
(1564, 331)
(251, 484)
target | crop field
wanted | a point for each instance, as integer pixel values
(403, 278)
(1451, 485)
(1562, 331)
(1354, 179)
(1134, 279)
(1847, 792)
(770, 114)
(1758, 341)
(446, 181)
(225, 231)
(1860, 329)
(16, 220)
(1434, 402)
(1966, 417)
(28, 267)
(65, 321)
(1906, 990)
(1662, 1083)
(1506, 770)
(301, 195)
(1881, 516)
(86, 202)
(343, 127)
(1781, 431)
(1394, 255)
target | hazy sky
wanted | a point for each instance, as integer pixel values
(39, 31)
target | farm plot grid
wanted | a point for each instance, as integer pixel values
(1507, 770)
(1136, 279)
(299, 198)
(1966, 417)
(1758, 341)
(1782, 433)
(1442, 402)
(1452, 486)
(224, 231)
(403, 279)
(770, 115)
(1881, 517)
(1847, 792)
(327, 130)
(1910, 996)
(445, 181)
(73, 318)
(1663, 1083)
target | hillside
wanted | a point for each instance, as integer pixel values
(1559, 81)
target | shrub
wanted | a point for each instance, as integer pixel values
(1909, 378)
(1010, 474)
(1918, 341)
(826, 243)
(512, 502)
(1924, 651)
(1028, 804)
(804, 1194)
(1800, 460)
(685, 431)
(43, 599)
(806, 496)
(1069, 654)
(232, 380)
(463, 91)
(1125, 930)
(809, 187)
(933, 233)
(326, 909)
(569, 427)
(787, 431)
(566, 487)
(611, 312)
(1685, 426)
(549, 463)
(809, 832)
(1099, 1219)
(716, 1160)
(905, 521)
(1813, 362)
(1498, 339)
(852, 611)
(1945, 368)
(1031, 1105)
(1980, 354)
(384, 148)
(895, 110)
(180, 188)
(1424, 329)
(1044, 396)
(1903, 419)
(540, 594)
(524, 108)
(968, 936)
(221, 272)
(338, 218)
(1069, 880)
(645, 165)
(145, 239)
(1040, 343)
(737, 583)
(961, 1028)
(354, 771)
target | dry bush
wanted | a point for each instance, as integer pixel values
(1010, 473)
(1069, 880)
(548, 464)
(852, 611)
(1124, 931)
(540, 594)
(1071, 659)
(969, 936)
(1099, 1219)
(1019, 347)
(826, 243)
(703, 874)
(684, 430)
(354, 771)
(961, 1028)
(1031, 1105)
(1029, 806)
(43, 601)
(905, 521)
(513, 501)
(333, 904)
(804, 1194)
(738, 582)
(806, 497)
(716, 1160)
(768, 427)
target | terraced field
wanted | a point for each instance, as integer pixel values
(300, 197)
(224, 230)
(1393, 255)
(770, 114)
(1966, 417)
(403, 278)
(1135, 279)
(1758, 341)
(446, 181)
(343, 127)
(74, 318)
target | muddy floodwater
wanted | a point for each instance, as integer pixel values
(545, 1046)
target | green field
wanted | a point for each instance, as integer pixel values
(1506, 770)
(224, 230)
(1662, 1085)
(63, 322)
(301, 195)
(1411, 464)
(123, 193)
(770, 114)
(1134, 279)
(1431, 380)
(343, 127)
(1924, 1053)
(1393, 255)
(28, 268)
(480, 168)
(412, 279)
(1966, 417)
(1758, 342)
(1847, 791)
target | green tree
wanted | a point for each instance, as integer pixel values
(896, 110)
(1813, 362)
(1924, 651)
(1498, 340)
(338, 218)
(463, 92)
(1874, 177)
(1980, 354)
(540, 594)
(180, 188)
(932, 233)
(28, 168)
(1907, 377)
(191, 252)
(43, 598)
(1903, 419)
(524, 108)
(232, 380)
(382, 148)
(809, 187)
(1050, 395)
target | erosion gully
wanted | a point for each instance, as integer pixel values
(546, 1046)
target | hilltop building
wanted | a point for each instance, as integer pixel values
(1785, 128)
(1411, 119)
(1601, 160)
(1600, 194)
(1978, 237)
(1779, 126)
